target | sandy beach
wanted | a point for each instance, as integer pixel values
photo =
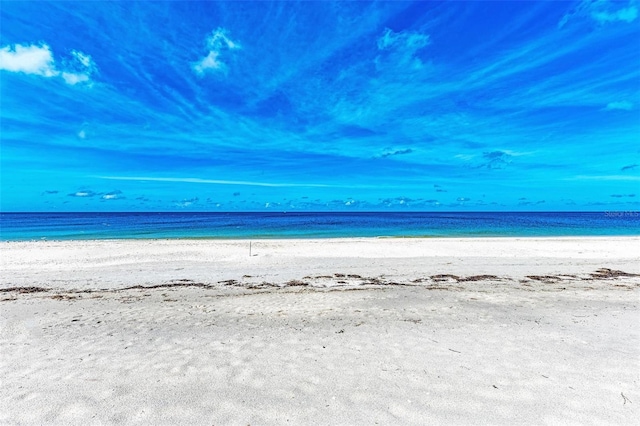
(335, 331)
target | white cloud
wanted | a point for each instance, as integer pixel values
(623, 105)
(38, 60)
(82, 134)
(209, 62)
(217, 42)
(78, 69)
(187, 203)
(73, 79)
(112, 195)
(31, 59)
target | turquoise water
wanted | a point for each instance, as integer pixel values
(83, 226)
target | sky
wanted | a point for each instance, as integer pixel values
(320, 106)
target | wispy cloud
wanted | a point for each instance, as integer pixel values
(212, 181)
(605, 177)
(627, 14)
(38, 60)
(217, 43)
(398, 50)
(601, 11)
(405, 40)
(621, 105)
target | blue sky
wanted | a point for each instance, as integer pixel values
(258, 106)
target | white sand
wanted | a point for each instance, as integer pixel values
(544, 342)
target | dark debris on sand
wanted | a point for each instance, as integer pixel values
(437, 282)
(24, 290)
(604, 273)
(478, 278)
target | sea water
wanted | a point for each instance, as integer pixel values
(84, 226)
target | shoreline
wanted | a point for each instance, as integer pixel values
(329, 238)
(377, 237)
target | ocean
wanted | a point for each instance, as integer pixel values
(88, 226)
